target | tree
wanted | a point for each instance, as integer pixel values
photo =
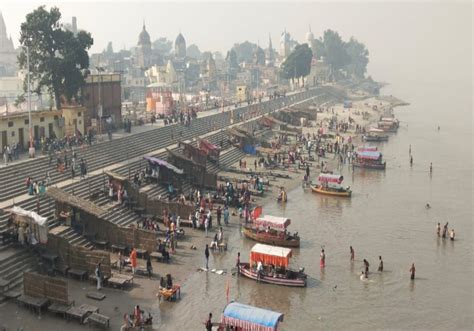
(260, 56)
(232, 59)
(58, 59)
(335, 54)
(245, 51)
(193, 51)
(163, 46)
(298, 63)
(358, 58)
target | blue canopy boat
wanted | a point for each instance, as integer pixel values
(249, 318)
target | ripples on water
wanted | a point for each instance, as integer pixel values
(386, 216)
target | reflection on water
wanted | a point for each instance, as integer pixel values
(386, 216)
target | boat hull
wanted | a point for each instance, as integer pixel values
(316, 189)
(245, 270)
(271, 240)
(379, 166)
(375, 139)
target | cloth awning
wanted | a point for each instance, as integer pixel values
(330, 178)
(278, 256)
(272, 221)
(38, 219)
(369, 155)
(115, 175)
(375, 130)
(367, 149)
(41, 228)
(207, 145)
(163, 163)
(250, 318)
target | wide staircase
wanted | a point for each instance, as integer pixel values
(13, 263)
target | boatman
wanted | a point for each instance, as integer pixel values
(352, 253)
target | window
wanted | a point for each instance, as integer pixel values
(80, 122)
(10, 124)
(55, 117)
(27, 121)
(13, 133)
(41, 119)
(79, 114)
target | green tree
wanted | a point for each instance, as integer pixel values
(298, 63)
(245, 51)
(260, 56)
(58, 59)
(193, 51)
(358, 56)
(163, 46)
(232, 59)
(334, 51)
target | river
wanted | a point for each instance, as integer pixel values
(386, 216)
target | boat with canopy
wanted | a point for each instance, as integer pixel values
(388, 124)
(274, 261)
(238, 316)
(330, 184)
(369, 159)
(271, 230)
(375, 135)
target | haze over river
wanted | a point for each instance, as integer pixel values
(386, 216)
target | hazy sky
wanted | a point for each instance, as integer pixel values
(424, 36)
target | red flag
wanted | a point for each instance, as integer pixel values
(257, 212)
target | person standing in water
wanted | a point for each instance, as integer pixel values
(451, 234)
(380, 264)
(411, 160)
(445, 230)
(438, 229)
(412, 271)
(322, 261)
(366, 266)
(352, 253)
(431, 168)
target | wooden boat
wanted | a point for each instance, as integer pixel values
(237, 316)
(330, 184)
(369, 160)
(388, 124)
(330, 191)
(275, 270)
(375, 135)
(271, 230)
(271, 239)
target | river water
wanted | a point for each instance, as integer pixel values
(386, 216)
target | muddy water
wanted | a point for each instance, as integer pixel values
(386, 216)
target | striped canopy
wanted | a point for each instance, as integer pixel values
(278, 256)
(272, 221)
(330, 178)
(367, 149)
(369, 155)
(250, 318)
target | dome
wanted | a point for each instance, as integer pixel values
(180, 39)
(144, 37)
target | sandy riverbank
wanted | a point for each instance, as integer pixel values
(185, 261)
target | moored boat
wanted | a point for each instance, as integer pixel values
(375, 135)
(330, 184)
(369, 160)
(388, 124)
(271, 230)
(269, 264)
(237, 316)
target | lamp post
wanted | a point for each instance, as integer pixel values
(31, 150)
(99, 107)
